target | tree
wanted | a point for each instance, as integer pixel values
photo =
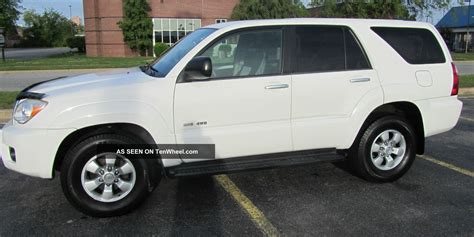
(9, 14)
(136, 25)
(383, 9)
(423, 8)
(268, 9)
(49, 29)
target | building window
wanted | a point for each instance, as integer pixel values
(221, 21)
(171, 30)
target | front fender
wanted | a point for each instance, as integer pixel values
(106, 112)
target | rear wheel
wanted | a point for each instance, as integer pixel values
(105, 184)
(385, 151)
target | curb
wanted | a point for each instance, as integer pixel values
(466, 91)
(6, 114)
(464, 61)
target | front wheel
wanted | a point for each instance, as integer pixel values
(385, 151)
(105, 184)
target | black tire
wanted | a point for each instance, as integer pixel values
(361, 155)
(71, 171)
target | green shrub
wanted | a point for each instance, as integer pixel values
(78, 42)
(160, 48)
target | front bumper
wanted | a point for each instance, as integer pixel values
(34, 149)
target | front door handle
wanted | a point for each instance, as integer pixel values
(279, 86)
(365, 79)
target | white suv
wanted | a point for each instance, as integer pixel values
(267, 93)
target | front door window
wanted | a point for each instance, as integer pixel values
(249, 53)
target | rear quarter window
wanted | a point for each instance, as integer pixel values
(415, 45)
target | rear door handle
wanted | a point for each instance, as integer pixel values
(279, 86)
(355, 80)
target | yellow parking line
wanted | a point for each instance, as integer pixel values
(255, 214)
(449, 166)
(468, 119)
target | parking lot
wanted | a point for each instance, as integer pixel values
(435, 198)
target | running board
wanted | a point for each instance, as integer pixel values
(247, 163)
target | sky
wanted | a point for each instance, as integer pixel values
(62, 6)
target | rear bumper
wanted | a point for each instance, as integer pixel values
(440, 114)
(34, 149)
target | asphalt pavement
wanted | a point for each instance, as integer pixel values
(435, 198)
(18, 80)
(33, 53)
(465, 67)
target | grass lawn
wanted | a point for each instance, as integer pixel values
(72, 61)
(463, 56)
(466, 81)
(7, 99)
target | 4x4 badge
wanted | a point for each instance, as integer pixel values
(202, 123)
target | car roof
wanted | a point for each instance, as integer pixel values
(318, 21)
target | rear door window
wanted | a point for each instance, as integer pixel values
(415, 45)
(319, 49)
(355, 55)
(327, 49)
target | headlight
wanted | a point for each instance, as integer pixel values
(27, 109)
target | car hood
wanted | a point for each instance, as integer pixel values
(86, 81)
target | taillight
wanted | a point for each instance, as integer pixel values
(455, 89)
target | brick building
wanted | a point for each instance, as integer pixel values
(172, 19)
(76, 20)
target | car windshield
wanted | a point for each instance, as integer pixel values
(163, 65)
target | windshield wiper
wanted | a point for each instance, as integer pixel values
(153, 69)
(148, 69)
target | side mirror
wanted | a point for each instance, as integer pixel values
(199, 68)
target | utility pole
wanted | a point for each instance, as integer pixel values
(468, 23)
(2, 42)
(70, 19)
